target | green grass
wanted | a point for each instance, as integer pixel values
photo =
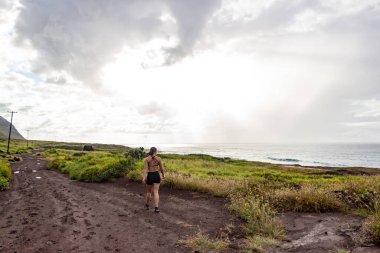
(256, 191)
(202, 243)
(259, 243)
(96, 166)
(15, 147)
(208, 167)
(286, 188)
(5, 174)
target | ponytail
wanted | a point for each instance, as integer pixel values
(152, 151)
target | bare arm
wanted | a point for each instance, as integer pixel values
(161, 168)
(145, 171)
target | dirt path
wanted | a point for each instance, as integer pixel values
(44, 211)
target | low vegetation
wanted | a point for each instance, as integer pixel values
(15, 147)
(372, 225)
(5, 174)
(256, 191)
(202, 243)
(259, 243)
(97, 166)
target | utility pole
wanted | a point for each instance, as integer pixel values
(27, 138)
(10, 130)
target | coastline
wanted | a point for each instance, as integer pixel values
(333, 170)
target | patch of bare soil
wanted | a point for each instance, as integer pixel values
(323, 232)
(45, 211)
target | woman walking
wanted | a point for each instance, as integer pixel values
(152, 177)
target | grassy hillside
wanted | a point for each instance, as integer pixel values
(4, 130)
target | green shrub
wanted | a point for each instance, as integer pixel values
(90, 174)
(5, 175)
(136, 153)
(95, 173)
(5, 171)
(134, 175)
(4, 183)
(90, 167)
(55, 164)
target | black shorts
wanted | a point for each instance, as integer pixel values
(153, 178)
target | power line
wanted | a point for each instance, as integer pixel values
(10, 130)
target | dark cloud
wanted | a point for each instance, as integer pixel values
(80, 37)
(191, 17)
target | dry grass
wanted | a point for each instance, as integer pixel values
(216, 187)
(372, 225)
(202, 243)
(259, 243)
(307, 199)
(260, 218)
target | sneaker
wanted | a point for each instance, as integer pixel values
(146, 207)
(156, 210)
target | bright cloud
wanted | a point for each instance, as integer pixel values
(174, 71)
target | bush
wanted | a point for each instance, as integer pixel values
(97, 166)
(116, 169)
(359, 194)
(4, 183)
(5, 175)
(90, 174)
(97, 173)
(372, 226)
(134, 175)
(5, 171)
(56, 164)
(136, 153)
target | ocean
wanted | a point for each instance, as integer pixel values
(337, 155)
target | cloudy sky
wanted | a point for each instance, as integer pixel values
(191, 71)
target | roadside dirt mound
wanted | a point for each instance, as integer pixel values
(44, 211)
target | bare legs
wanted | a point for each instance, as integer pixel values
(155, 194)
(149, 189)
(152, 189)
